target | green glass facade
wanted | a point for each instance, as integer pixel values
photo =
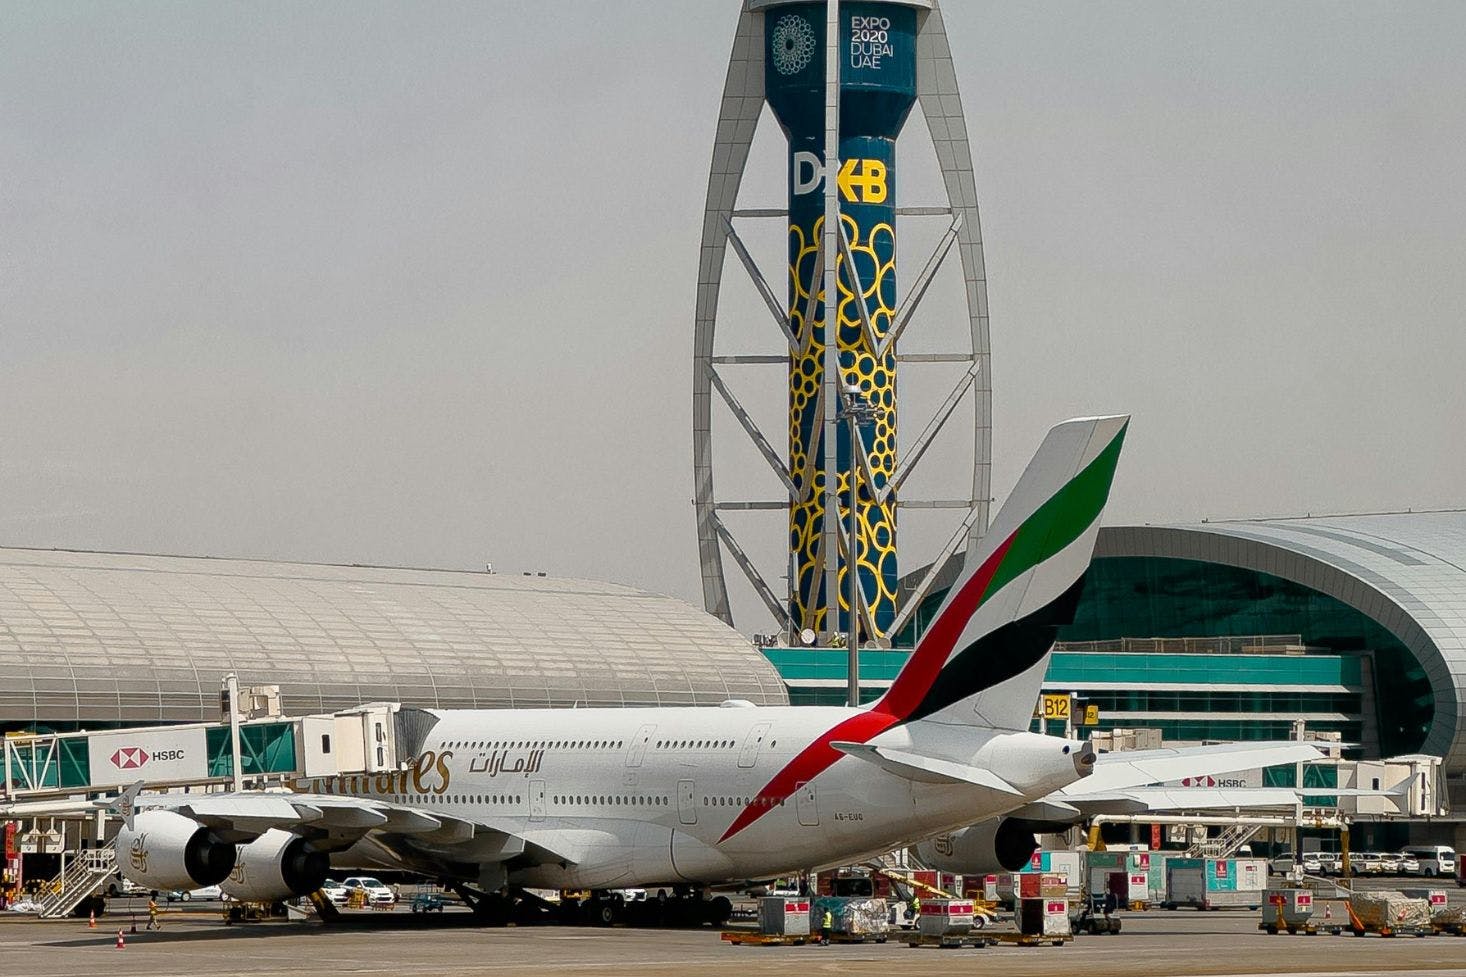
(1159, 690)
(1353, 664)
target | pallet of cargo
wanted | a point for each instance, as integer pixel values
(952, 941)
(750, 938)
(1030, 939)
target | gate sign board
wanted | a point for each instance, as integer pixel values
(164, 755)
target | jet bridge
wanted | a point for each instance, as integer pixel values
(52, 781)
(41, 768)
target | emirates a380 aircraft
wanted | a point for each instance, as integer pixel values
(691, 798)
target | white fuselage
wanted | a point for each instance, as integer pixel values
(705, 795)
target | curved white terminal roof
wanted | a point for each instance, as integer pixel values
(1406, 571)
(115, 638)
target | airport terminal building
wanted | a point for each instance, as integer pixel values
(99, 640)
(1232, 630)
(1212, 631)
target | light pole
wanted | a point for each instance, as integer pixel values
(858, 412)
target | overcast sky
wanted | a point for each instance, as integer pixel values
(413, 283)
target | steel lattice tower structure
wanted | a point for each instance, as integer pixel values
(841, 116)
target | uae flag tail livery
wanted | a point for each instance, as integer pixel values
(982, 659)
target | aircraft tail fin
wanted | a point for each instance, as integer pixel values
(982, 658)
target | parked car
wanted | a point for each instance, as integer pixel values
(1435, 860)
(1409, 864)
(121, 885)
(1329, 862)
(375, 892)
(1389, 864)
(335, 892)
(1364, 863)
(1284, 863)
(189, 895)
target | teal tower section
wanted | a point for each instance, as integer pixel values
(877, 56)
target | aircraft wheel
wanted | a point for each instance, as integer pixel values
(719, 910)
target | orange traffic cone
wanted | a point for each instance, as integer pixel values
(92, 920)
(121, 943)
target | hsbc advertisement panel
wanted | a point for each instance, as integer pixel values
(1220, 781)
(168, 754)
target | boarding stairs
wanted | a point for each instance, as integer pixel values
(898, 866)
(85, 874)
(1225, 844)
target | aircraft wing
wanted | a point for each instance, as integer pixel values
(335, 822)
(1141, 800)
(1140, 768)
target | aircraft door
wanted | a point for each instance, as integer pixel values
(639, 745)
(752, 743)
(804, 804)
(536, 800)
(686, 809)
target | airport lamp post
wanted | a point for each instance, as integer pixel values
(231, 697)
(858, 413)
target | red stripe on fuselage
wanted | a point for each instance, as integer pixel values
(813, 759)
(904, 696)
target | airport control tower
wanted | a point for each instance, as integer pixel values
(841, 78)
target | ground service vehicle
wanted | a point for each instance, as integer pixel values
(374, 892)
(1435, 860)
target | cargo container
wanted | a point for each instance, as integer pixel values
(783, 916)
(946, 917)
(1125, 873)
(1068, 863)
(1011, 886)
(1215, 883)
(1287, 910)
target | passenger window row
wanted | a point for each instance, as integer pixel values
(635, 800)
(702, 744)
(742, 801)
(534, 745)
(490, 799)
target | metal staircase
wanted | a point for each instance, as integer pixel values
(1224, 844)
(898, 866)
(84, 875)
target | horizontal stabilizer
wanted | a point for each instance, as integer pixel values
(925, 769)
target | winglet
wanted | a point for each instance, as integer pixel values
(124, 805)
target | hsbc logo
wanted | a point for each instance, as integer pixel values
(130, 758)
(135, 757)
(1213, 782)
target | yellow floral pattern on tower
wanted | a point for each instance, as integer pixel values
(874, 259)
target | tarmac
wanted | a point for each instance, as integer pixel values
(1153, 944)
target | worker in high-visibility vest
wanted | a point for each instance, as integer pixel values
(826, 924)
(915, 907)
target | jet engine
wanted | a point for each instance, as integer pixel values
(165, 850)
(995, 845)
(276, 865)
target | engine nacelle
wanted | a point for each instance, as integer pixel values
(996, 845)
(276, 865)
(165, 850)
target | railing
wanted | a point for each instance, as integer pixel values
(1224, 844)
(84, 875)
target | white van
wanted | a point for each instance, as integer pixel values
(1435, 860)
